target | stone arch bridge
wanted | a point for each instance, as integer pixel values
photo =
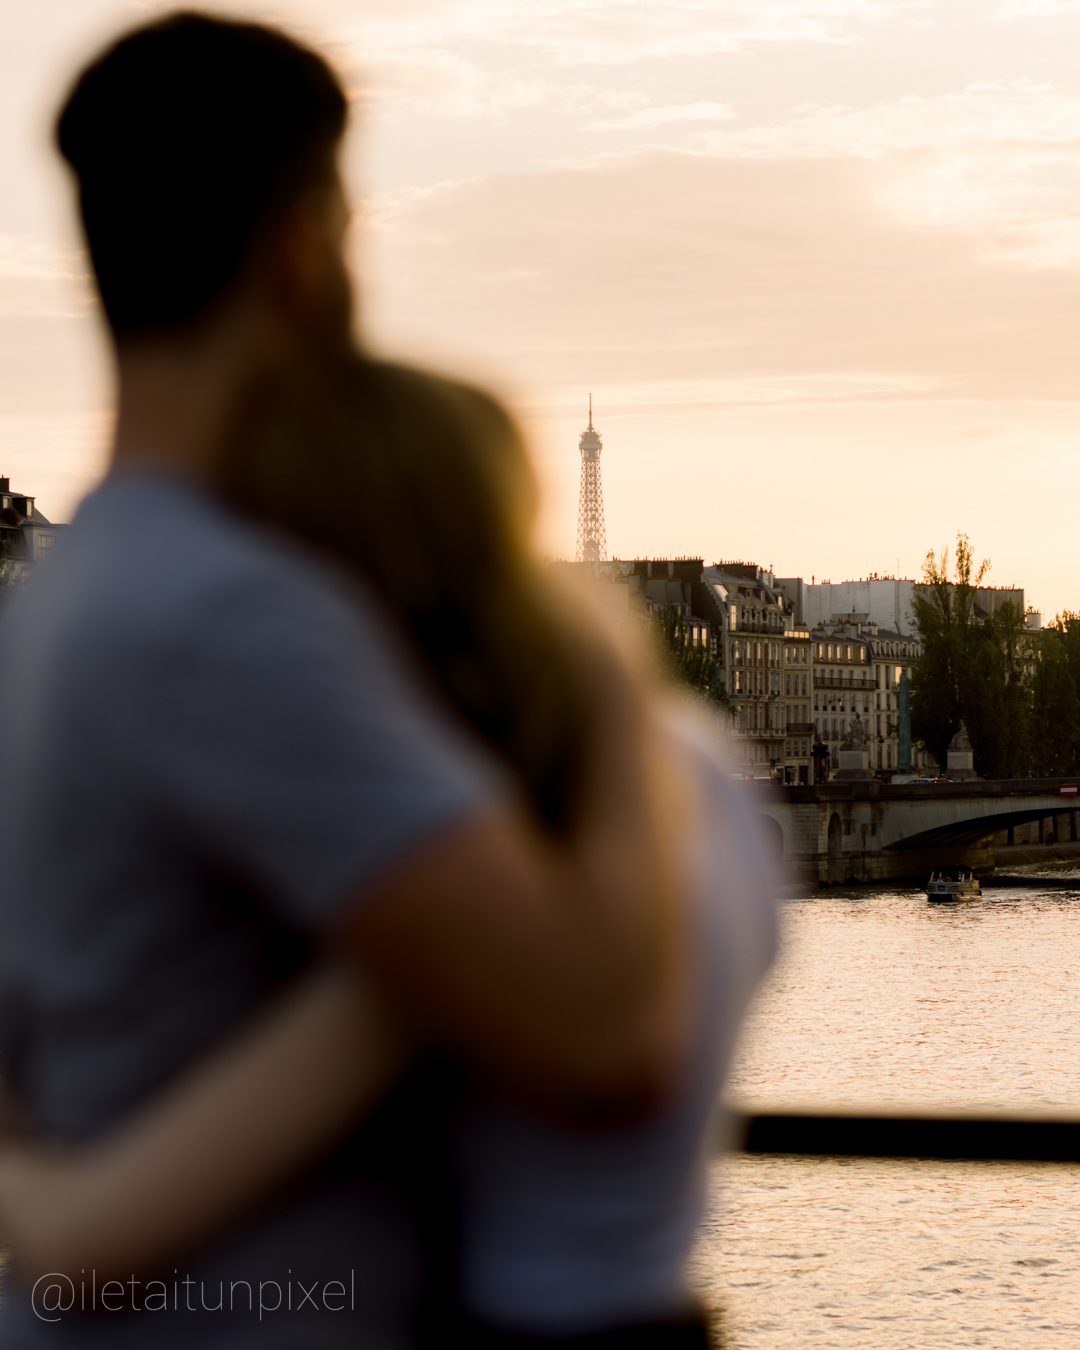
(872, 831)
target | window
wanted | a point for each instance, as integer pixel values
(830, 651)
(787, 684)
(820, 651)
(847, 653)
(804, 686)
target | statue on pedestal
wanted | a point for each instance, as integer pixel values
(960, 757)
(854, 753)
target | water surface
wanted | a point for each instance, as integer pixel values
(882, 1000)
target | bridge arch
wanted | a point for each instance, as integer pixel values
(773, 835)
(968, 829)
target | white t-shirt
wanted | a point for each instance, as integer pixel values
(567, 1231)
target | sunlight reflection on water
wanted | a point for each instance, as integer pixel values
(885, 1000)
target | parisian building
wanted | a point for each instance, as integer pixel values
(755, 618)
(26, 535)
(843, 684)
(891, 654)
(798, 698)
(857, 672)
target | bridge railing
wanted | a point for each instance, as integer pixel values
(951, 1137)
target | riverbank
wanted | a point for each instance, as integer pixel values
(1007, 856)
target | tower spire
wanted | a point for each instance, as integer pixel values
(591, 541)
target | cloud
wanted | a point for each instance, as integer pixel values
(602, 32)
(1003, 155)
(999, 113)
(26, 259)
(439, 83)
(765, 390)
(1031, 9)
(665, 116)
(39, 279)
(732, 280)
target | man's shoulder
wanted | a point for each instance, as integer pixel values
(155, 579)
(148, 557)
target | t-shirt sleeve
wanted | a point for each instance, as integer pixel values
(289, 738)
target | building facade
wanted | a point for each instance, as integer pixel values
(756, 620)
(26, 535)
(857, 673)
(886, 601)
(799, 728)
(843, 684)
(891, 654)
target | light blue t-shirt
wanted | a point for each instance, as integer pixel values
(211, 742)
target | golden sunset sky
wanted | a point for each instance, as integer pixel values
(818, 261)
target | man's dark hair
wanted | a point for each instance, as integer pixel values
(185, 135)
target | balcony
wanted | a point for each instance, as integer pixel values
(827, 682)
(800, 729)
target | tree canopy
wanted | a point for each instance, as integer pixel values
(694, 666)
(1017, 689)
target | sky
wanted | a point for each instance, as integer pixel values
(817, 261)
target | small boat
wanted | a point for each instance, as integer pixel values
(952, 883)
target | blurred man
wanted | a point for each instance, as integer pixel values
(224, 759)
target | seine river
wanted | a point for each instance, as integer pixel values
(880, 999)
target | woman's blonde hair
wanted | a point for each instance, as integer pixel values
(423, 486)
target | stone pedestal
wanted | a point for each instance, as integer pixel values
(854, 764)
(960, 757)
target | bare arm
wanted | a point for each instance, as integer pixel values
(203, 1154)
(559, 969)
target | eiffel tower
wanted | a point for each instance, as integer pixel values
(591, 543)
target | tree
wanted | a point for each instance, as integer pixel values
(9, 572)
(1002, 695)
(1055, 713)
(692, 666)
(972, 670)
(945, 616)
